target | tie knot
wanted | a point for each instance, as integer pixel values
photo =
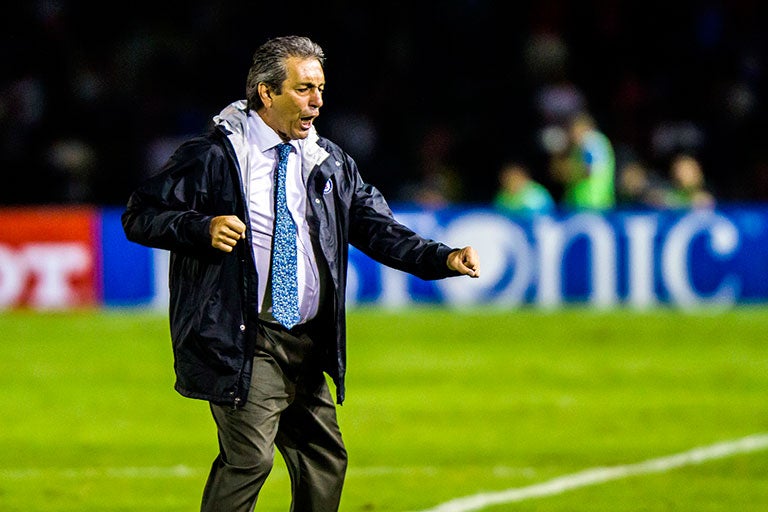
(283, 149)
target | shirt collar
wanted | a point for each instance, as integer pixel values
(262, 136)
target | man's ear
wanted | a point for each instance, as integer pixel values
(265, 94)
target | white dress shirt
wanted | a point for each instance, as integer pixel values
(259, 181)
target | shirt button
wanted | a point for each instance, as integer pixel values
(317, 200)
(242, 327)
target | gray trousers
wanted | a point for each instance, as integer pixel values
(289, 406)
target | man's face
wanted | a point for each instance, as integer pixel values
(292, 112)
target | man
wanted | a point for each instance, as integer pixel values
(253, 330)
(588, 169)
(688, 187)
(519, 193)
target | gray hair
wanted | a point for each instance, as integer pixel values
(268, 65)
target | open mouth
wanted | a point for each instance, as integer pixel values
(306, 122)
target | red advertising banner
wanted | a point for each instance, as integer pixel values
(49, 257)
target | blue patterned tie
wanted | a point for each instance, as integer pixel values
(285, 288)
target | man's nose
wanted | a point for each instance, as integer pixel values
(317, 99)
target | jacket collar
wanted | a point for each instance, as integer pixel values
(234, 117)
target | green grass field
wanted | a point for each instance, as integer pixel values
(441, 405)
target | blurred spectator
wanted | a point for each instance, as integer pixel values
(638, 186)
(438, 182)
(71, 164)
(519, 193)
(555, 97)
(587, 168)
(558, 101)
(688, 185)
(547, 59)
(671, 137)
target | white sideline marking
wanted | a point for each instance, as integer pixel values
(600, 475)
(552, 487)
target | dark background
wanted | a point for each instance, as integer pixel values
(96, 95)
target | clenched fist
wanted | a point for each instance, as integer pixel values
(465, 261)
(225, 231)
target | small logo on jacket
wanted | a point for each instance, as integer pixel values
(328, 187)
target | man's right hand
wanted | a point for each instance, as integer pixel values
(225, 231)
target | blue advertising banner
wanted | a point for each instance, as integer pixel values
(639, 259)
(128, 270)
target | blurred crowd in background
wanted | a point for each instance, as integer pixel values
(440, 103)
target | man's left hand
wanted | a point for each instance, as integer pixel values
(465, 261)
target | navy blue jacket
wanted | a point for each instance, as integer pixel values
(213, 294)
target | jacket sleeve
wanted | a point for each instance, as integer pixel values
(168, 210)
(374, 230)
